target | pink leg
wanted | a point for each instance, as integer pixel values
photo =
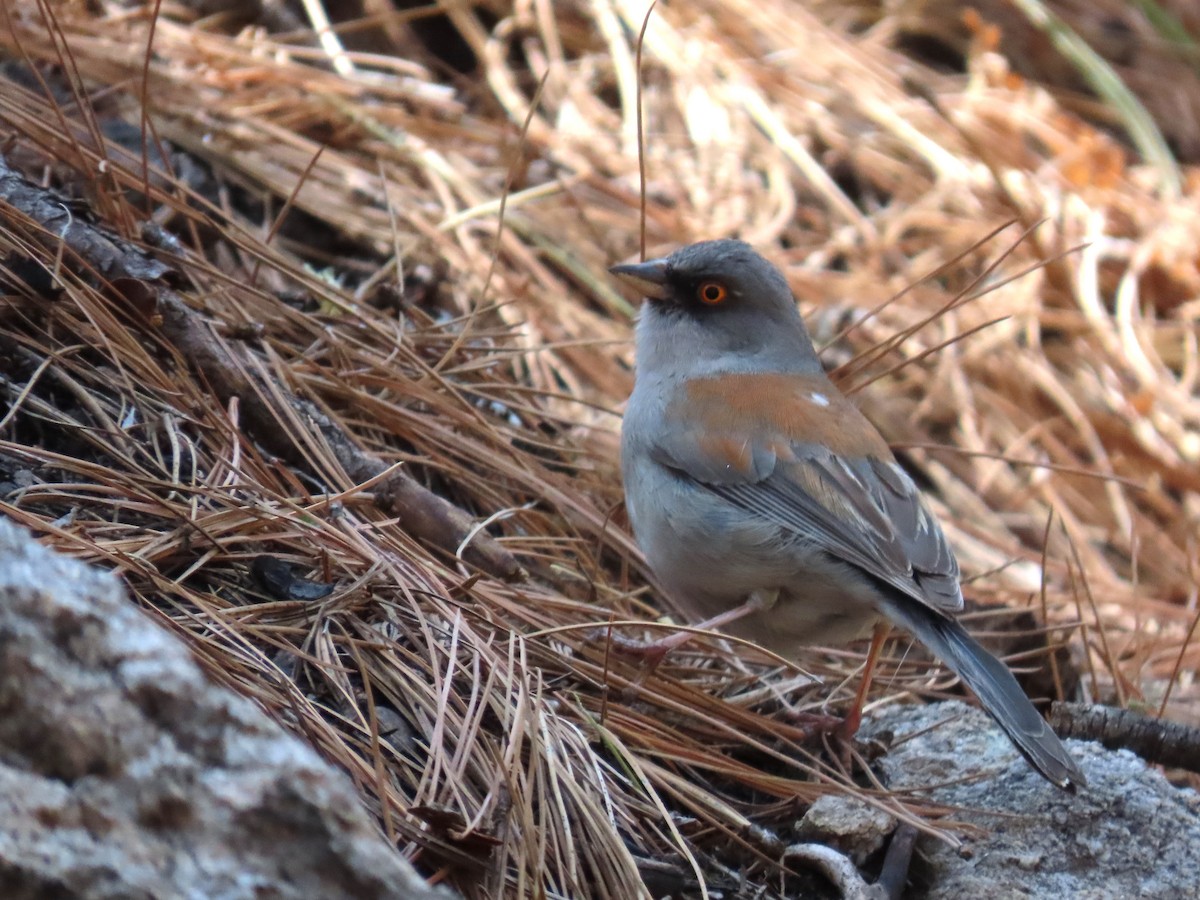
(654, 652)
(853, 720)
(845, 728)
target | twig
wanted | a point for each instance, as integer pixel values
(1163, 743)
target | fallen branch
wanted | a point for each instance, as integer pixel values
(1158, 741)
(145, 283)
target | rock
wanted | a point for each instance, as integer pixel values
(847, 824)
(126, 773)
(1130, 833)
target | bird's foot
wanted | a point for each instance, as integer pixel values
(652, 653)
(838, 732)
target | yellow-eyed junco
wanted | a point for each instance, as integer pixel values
(767, 504)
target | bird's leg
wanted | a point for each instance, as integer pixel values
(843, 729)
(654, 652)
(850, 724)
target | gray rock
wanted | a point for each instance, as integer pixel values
(850, 826)
(1130, 833)
(126, 773)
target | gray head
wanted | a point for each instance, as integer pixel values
(720, 304)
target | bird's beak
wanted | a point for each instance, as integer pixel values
(649, 277)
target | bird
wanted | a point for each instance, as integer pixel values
(767, 505)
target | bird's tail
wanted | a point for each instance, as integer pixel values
(991, 681)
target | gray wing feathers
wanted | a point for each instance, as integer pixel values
(866, 512)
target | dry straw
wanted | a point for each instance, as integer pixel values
(339, 361)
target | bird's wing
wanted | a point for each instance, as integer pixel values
(846, 494)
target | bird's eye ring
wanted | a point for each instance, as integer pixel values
(712, 292)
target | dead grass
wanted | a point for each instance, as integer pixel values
(340, 326)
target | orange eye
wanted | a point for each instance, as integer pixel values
(712, 292)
